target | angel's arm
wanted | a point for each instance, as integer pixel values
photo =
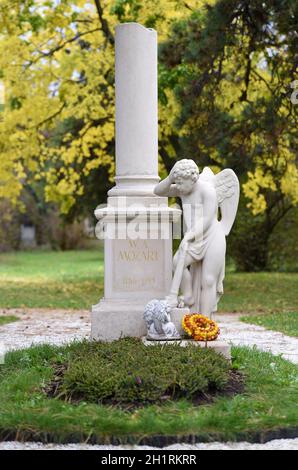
(166, 188)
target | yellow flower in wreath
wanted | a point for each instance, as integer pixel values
(200, 328)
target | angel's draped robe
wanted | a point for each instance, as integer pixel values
(197, 249)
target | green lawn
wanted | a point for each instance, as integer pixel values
(260, 292)
(269, 404)
(57, 279)
(7, 319)
(74, 279)
(286, 322)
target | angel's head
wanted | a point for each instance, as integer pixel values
(185, 174)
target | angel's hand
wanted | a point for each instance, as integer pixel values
(189, 236)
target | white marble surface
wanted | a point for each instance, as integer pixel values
(136, 129)
(199, 262)
(138, 261)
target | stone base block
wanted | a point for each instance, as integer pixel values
(219, 346)
(176, 317)
(112, 320)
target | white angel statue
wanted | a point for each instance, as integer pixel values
(199, 263)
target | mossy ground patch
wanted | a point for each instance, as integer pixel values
(128, 373)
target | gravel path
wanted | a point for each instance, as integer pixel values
(43, 326)
(243, 334)
(278, 444)
(38, 326)
(60, 326)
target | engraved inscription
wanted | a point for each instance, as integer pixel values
(138, 265)
(138, 253)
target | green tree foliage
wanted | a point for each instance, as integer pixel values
(225, 75)
(231, 67)
(57, 72)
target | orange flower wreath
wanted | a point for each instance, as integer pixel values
(200, 328)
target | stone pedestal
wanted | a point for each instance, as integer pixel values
(221, 347)
(138, 264)
(176, 317)
(177, 314)
(137, 224)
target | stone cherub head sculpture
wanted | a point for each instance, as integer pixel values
(157, 318)
(185, 174)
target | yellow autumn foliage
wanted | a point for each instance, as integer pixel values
(56, 67)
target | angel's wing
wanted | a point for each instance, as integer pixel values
(207, 175)
(227, 190)
(226, 185)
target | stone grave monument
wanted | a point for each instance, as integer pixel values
(140, 292)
